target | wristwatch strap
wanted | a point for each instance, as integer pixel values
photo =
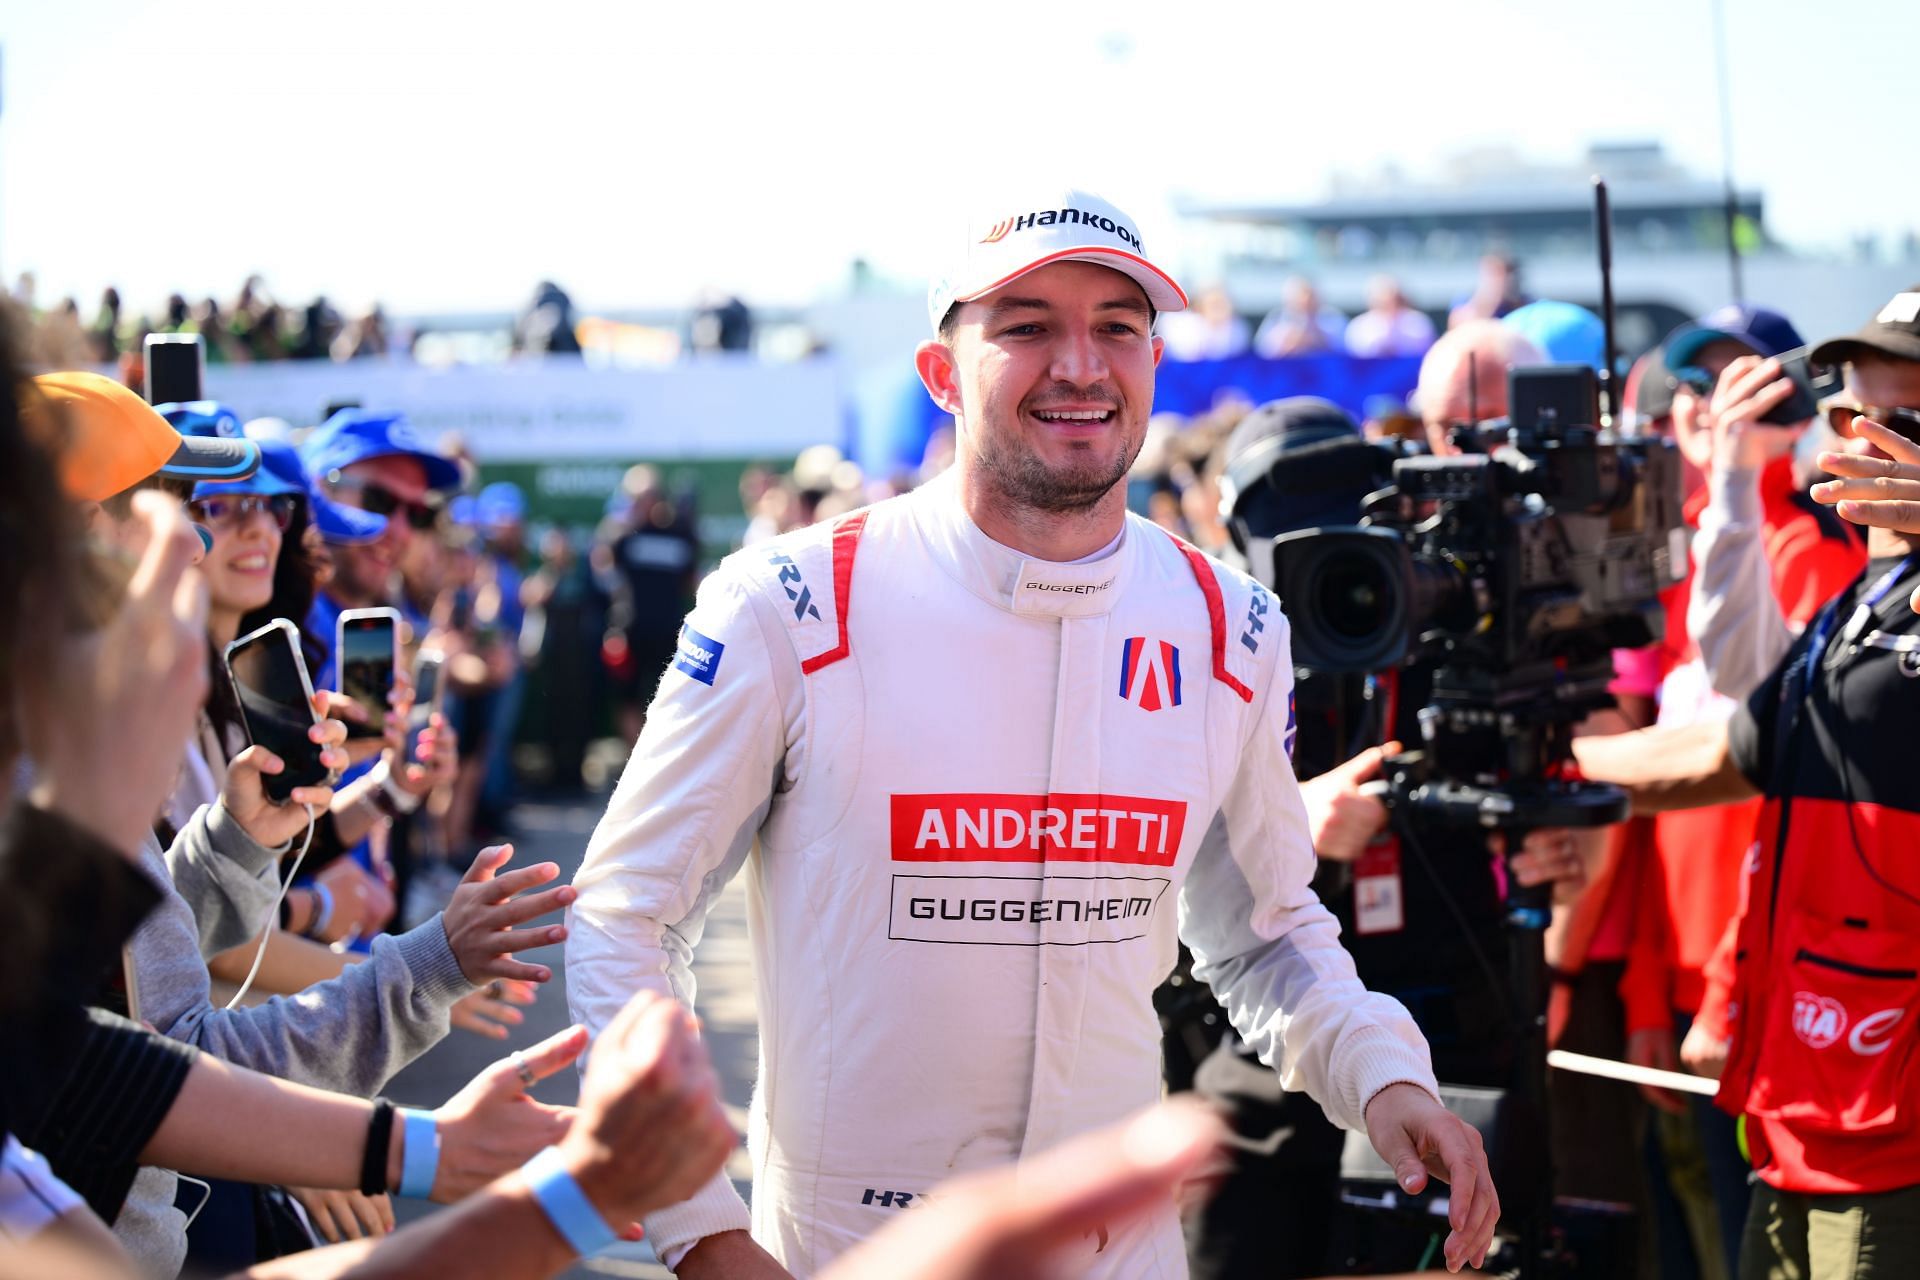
(373, 1165)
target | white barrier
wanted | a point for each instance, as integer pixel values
(556, 408)
(1678, 1081)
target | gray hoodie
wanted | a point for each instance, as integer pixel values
(350, 1034)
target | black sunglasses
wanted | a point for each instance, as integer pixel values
(1841, 417)
(377, 499)
(241, 507)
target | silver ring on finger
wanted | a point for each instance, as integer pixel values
(522, 1069)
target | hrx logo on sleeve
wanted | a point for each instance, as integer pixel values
(699, 656)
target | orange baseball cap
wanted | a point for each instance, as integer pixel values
(110, 439)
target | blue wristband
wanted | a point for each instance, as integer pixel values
(566, 1205)
(420, 1156)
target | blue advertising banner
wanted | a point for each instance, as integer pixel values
(894, 417)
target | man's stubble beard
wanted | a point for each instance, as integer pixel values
(1015, 471)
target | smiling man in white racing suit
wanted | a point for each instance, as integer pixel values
(997, 741)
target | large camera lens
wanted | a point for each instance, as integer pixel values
(1351, 596)
(1346, 592)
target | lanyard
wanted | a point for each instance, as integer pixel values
(1862, 614)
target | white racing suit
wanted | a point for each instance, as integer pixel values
(986, 791)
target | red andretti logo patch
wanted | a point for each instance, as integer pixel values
(970, 827)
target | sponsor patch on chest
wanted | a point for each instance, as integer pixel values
(1023, 911)
(996, 827)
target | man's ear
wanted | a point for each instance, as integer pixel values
(934, 362)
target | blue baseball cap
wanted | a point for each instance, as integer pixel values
(354, 435)
(201, 418)
(1565, 333)
(1759, 330)
(464, 510)
(500, 503)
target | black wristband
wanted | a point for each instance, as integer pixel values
(373, 1167)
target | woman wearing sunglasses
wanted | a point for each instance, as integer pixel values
(263, 535)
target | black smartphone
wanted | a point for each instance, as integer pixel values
(429, 695)
(276, 704)
(1803, 402)
(176, 368)
(429, 690)
(366, 648)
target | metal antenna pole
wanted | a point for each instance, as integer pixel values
(1732, 202)
(1603, 230)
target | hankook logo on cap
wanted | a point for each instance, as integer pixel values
(1051, 217)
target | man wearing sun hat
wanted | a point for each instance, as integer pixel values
(998, 741)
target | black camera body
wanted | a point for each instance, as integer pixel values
(1516, 567)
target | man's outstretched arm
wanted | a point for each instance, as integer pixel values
(1666, 767)
(679, 827)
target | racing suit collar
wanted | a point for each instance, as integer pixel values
(1003, 576)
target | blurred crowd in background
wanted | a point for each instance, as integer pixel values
(257, 327)
(254, 326)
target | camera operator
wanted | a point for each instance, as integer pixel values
(1463, 378)
(1301, 463)
(1821, 991)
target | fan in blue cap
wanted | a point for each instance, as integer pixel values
(1762, 332)
(355, 435)
(500, 503)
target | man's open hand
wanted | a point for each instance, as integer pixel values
(1418, 1137)
(479, 919)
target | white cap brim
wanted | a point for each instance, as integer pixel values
(1015, 244)
(1162, 291)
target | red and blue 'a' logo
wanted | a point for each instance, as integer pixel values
(1150, 673)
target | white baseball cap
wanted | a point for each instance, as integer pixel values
(1015, 238)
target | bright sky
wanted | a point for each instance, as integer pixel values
(442, 156)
